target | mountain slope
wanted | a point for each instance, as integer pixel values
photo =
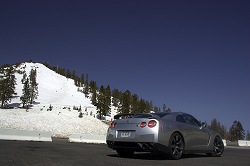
(62, 95)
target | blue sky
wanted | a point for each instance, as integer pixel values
(193, 56)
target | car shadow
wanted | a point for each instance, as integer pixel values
(157, 156)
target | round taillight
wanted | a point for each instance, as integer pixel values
(112, 125)
(152, 123)
(143, 124)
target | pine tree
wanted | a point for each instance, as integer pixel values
(33, 85)
(68, 74)
(142, 106)
(134, 103)
(107, 99)
(151, 106)
(25, 98)
(74, 76)
(116, 97)
(148, 107)
(86, 87)
(125, 103)
(92, 86)
(93, 98)
(236, 131)
(156, 109)
(101, 102)
(7, 84)
(24, 78)
(168, 110)
(215, 126)
(82, 79)
(164, 108)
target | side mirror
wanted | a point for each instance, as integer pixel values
(203, 124)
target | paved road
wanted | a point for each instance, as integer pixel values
(61, 153)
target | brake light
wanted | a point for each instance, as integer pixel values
(152, 123)
(112, 125)
(143, 124)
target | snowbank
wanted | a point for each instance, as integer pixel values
(61, 123)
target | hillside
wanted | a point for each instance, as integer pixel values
(60, 93)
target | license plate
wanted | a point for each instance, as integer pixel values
(125, 134)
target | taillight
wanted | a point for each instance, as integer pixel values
(143, 124)
(152, 123)
(112, 125)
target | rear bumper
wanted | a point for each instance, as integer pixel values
(135, 136)
(138, 146)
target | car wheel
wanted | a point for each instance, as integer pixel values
(218, 147)
(176, 146)
(125, 152)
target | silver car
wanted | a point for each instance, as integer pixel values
(174, 133)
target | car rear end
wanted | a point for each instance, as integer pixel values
(139, 133)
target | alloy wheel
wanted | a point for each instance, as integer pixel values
(176, 145)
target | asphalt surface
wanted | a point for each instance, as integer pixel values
(62, 153)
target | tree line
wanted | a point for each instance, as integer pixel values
(236, 131)
(104, 97)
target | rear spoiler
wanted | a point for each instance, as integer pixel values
(130, 115)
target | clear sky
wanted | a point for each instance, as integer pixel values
(193, 56)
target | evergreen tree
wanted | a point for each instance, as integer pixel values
(107, 99)
(92, 86)
(74, 76)
(82, 79)
(68, 74)
(93, 97)
(164, 108)
(116, 97)
(25, 98)
(101, 102)
(7, 84)
(24, 78)
(134, 103)
(236, 131)
(156, 109)
(33, 85)
(216, 126)
(86, 87)
(142, 106)
(223, 132)
(151, 106)
(125, 102)
(148, 109)
(169, 110)
(93, 90)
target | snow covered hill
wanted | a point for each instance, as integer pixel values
(62, 95)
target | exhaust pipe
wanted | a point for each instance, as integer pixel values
(146, 146)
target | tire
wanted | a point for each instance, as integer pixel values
(218, 147)
(176, 146)
(125, 152)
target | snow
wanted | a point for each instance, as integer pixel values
(62, 94)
